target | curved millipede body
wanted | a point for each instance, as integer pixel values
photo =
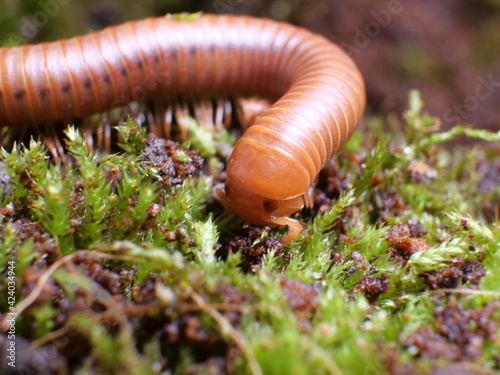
(319, 92)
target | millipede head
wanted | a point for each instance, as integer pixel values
(254, 208)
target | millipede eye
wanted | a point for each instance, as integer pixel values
(269, 206)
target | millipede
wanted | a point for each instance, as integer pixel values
(317, 91)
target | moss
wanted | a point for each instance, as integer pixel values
(123, 269)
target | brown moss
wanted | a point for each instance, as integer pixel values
(372, 286)
(456, 274)
(26, 229)
(252, 253)
(163, 154)
(355, 261)
(403, 244)
(302, 299)
(386, 203)
(457, 333)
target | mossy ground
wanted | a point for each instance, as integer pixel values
(123, 263)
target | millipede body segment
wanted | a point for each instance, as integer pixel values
(319, 94)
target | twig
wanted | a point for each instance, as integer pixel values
(226, 326)
(35, 293)
(467, 291)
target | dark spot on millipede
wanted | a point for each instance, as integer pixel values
(66, 87)
(211, 47)
(87, 83)
(139, 64)
(156, 58)
(42, 93)
(173, 53)
(123, 71)
(192, 50)
(106, 78)
(270, 206)
(19, 94)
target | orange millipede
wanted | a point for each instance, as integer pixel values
(320, 94)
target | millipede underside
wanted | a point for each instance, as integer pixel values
(164, 118)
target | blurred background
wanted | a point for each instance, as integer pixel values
(447, 49)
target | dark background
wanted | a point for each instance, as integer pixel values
(448, 49)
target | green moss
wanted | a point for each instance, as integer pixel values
(120, 212)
